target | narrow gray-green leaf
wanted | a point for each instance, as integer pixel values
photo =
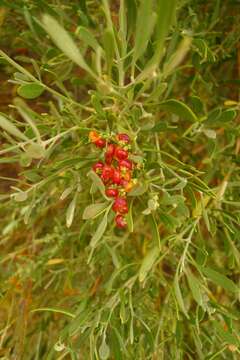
(177, 57)
(155, 231)
(6, 125)
(65, 42)
(66, 192)
(166, 12)
(178, 295)
(129, 217)
(26, 114)
(144, 27)
(89, 39)
(97, 182)
(165, 15)
(225, 334)
(93, 210)
(123, 26)
(194, 287)
(70, 211)
(148, 263)
(108, 45)
(219, 279)
(100, 231)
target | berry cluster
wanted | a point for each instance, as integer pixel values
(116, 172)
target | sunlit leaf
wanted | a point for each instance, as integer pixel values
(148, 263)
(30, 91)
(93, 210)
(64, 41)
(8, 126)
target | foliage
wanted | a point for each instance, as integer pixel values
(167, 74)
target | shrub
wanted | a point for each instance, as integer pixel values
(164, 282)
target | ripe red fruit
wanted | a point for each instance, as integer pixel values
(109, 153)
(111, 192)
(126, 163)
(98, 167)
(124, 138)
(107, 173)
(120, 221)
(116, 178)
(120, 153)
(100, 143)
(120, 205)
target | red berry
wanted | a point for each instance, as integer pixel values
(120, 205)
(98, 167)
(127, 164)
(107, 173)
(100, 143)
(120, 221)
(116, 178)
(120, 153)
(124, 138)
(109, 153)
(111, 192)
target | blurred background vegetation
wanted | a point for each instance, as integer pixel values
(168, 288)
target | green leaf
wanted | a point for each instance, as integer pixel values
(29, 116)
(179, 108)
(66, 193)
(123, 26)
(35, 151)
(197, 104)
(204, 51)
(20, 196)
(138, 190)
(70, 211)
(64, 42)
(219, 279)
(97, 105)
(144, 28)
(30, 91)
(165, 15)
(100, 231)
(177, 57)
(148, 262)
(104, 351)
(87, 37)
(93, 210)
(220, 118)
(225, 334)
(195, 287)
(97, 182)
(6, 125)
(178, 295)
(170, 221)
(155, 231)
(129, 217)
(108, 45)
